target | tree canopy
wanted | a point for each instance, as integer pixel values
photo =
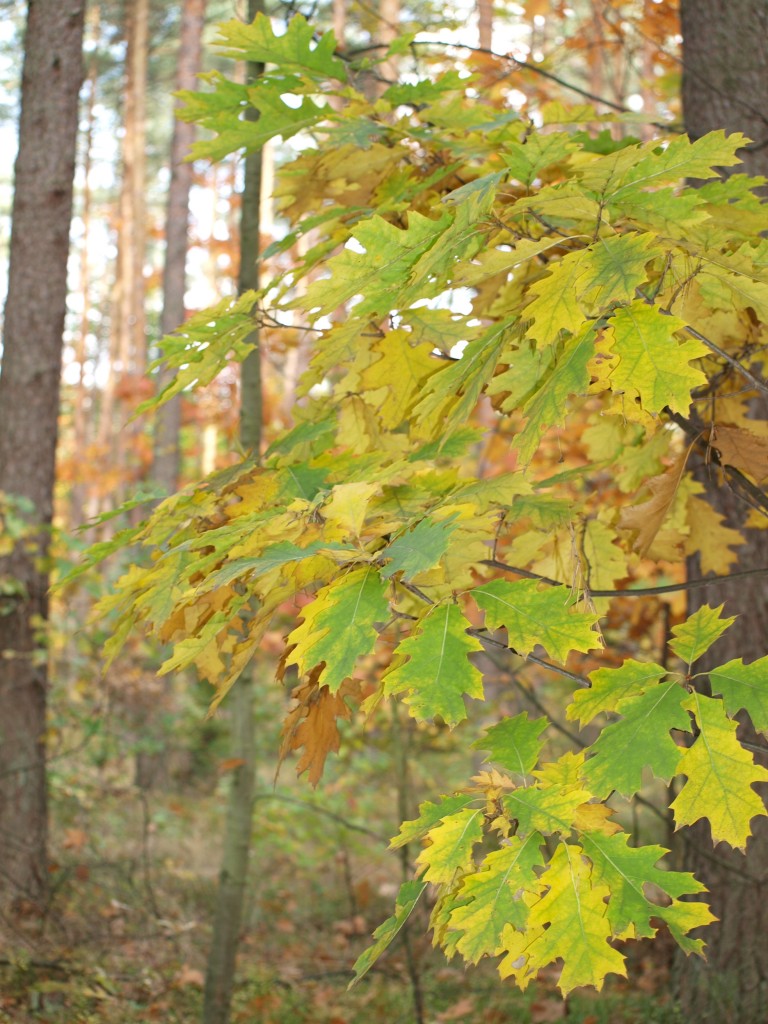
(519, 325)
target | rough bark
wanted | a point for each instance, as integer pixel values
(725, 85)
(29, 402)
(166, 459)
(233, 877)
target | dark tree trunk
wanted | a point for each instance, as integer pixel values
(29, 404)
(725, 85)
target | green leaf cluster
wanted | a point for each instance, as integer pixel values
(472, 289)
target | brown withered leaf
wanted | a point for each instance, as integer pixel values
(312, 722)
(741, 449)
(648, 517)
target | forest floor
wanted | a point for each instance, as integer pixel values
(133, 889)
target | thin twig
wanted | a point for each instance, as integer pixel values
(670, 588)
(521, 65)
(351, 825)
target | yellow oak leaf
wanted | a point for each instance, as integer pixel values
(710, 537)
(572, 906)
(400, 369)
(595, 818)
(720, 776)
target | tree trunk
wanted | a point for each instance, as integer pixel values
(132, 198)
(29, 402)
(220, 974)
(485, 24)
(128, 344)
(339, 22)
(725, 85)
(166, 459)
(152, 765)
(80, 424)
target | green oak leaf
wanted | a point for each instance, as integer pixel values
(339, 626)
(468, 232)
(514, 743)
(610, 685)
(639, 739)
(299, 48)
(534, 616)
(273, 557)
(548, 405)
(438, 673)
(409, 895)
(744, 686)
(616, 268)
(545, 809)
(626, 871)
(419, 549)
(379, 271)
(450, 395)
(696, 635)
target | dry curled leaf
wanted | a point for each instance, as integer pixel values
(648, 517)
(741, 449)
(312, 722)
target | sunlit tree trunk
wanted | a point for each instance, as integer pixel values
(167, 461)
(237, 841)
(725, 85)
(485, 24)
(128, 345)
(80, 424)
(29, 403)
(132, 200)
(151, 766)
(339, 21)
(388, 31)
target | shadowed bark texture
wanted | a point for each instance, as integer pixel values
(725, 85)
(29, 404)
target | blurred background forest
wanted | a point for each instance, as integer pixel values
(138, 776)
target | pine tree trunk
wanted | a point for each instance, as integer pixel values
(152, 765)
(725, 85)
(485, 24)
(388, 31)
(233, 877)
(133, 202)
(80, 423)
(128, 345)
(29, 403)
(166, 459)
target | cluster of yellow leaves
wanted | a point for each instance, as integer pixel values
(514, 333)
